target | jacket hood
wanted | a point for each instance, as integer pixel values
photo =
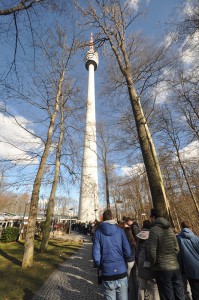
(161, 222)
(108, 227)
(143, 234)
(186, 233)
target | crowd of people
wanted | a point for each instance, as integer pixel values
(87, 228)
(131, 259)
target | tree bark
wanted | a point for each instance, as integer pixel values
(51, 203)
(29, 242)
(149, 153)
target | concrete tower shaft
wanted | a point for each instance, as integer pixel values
(89, 203)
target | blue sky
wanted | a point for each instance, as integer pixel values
(157, 15)
(153, 25)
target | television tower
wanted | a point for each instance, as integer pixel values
(89, 203)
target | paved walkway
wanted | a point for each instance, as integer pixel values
(74, 279)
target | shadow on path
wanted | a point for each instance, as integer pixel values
(74, 279)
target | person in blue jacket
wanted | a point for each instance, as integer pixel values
(110, 252)
(189, 257)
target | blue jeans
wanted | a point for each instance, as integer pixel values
(116, 289)
(170, 285)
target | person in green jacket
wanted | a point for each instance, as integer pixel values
(162, 250)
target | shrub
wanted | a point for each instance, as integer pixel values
(9, 234)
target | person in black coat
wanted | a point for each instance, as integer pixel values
(145, 273)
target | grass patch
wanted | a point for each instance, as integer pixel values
(19, 284)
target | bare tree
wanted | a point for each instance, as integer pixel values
(51, 203)
(29, 243)
(64, 111)
(21, 20)
(189, 23)
(185, 91)
(20, 6)
(105, 146)
(172, 132)
(112, 19)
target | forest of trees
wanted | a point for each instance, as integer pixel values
(147, 106)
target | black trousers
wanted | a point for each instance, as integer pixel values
(170, 285)
(194, 284)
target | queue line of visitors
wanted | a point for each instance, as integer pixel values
(154, 251)
(87, 228)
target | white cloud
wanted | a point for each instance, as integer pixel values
(188, 8)
(16, 142)
(135, 170)
(188, 153)
(134, 4)
(162, 89)
(170, 38)
(190, 50)
(160, 93)
(191, 151)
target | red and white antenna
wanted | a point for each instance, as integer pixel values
(91, 43)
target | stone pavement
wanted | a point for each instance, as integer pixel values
(75, 278)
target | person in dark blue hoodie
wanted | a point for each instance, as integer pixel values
(110, 252)
(189, 257)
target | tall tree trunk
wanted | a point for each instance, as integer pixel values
(111, 19)
(107, 186)
(172, 199)
(51, 203)
(150, 158)
(187, 182)
(29, 242)
(115, 203)
(173, 135)
(148, 152)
